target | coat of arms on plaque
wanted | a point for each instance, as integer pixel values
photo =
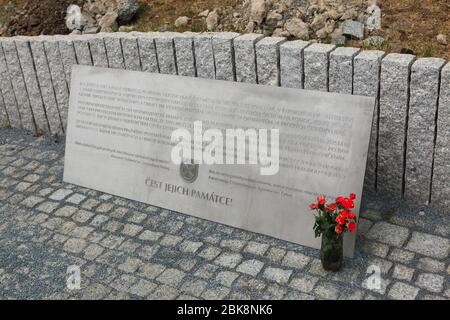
(189, 171)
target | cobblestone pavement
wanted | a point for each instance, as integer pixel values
(127, 249)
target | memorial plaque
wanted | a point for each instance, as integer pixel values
(119, 142)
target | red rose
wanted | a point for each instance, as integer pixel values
(350, 214)
(321, 199)
(338, 229)
(343, 213)
(339, 199)
(313, 205)
(347, 203)
(340, 219)
(351, 226)
(332, 206)
(352, 196)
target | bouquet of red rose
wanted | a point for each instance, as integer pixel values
(337, 216)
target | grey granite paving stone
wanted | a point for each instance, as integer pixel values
(46, 85)
(165, 52)
(366, 79)
(440, 196)
(98, 51)
(18, 84)
(32, 84)
(4, 121)
(316, 66)
(341, 70)
(222, 43)
(184, 51)
(147, 51)
(429, 245)
(114, 51)
(130, 51)
(58, 79)
(204, 56)
(8, 96)
(82, 51)
(395, 69)
(268, 60)
(245, 57)
(424, 93)
(292, 63)
(68, 56)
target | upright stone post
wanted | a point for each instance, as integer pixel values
(224, 55)
(440, 191)
(82, 51)
(268, 60)
(147, 52)
(366, 79)
(9, 98)
(4, 121)
(204, 56)
(316, 66)
(58, 78)
(341, 70)
(46, 84)
(184, 51)
(394, 98)
(130, 51)
(98, 50)
(68, 56)
(18, 84)
(424, 92)
(114, 51)
(32, 84)
(165, 52)
(292, 64)
(245, 57)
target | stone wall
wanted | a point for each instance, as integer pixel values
(409, 153)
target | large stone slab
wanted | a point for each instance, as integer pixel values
(291, 63)
(204, 56)
(316, 66)
(9, 99)
(127, 150)
(224, 55)
(245, 57)
(366, 82)
(18, 85)
(32, 84)
(394, 97)
(165, 52)
(268, 60)
(46, 84)
(423, 104)
(341, 70)
(440, 193)
(58, 78)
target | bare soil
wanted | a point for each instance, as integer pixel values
(407, 24)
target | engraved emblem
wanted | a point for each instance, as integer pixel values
(189, 171)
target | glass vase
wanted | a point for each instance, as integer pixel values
(332, 251)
